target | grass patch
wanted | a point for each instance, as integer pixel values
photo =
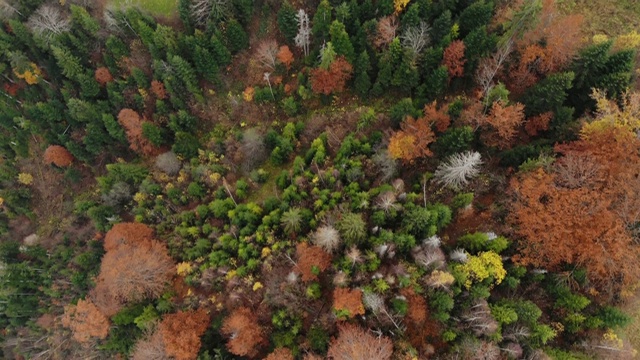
(609, 17)
(166, 8)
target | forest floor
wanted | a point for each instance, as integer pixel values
(609, 17)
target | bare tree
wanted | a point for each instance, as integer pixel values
(302, 39)
(458, 169)
(267, 53)
(327, 237)
(416, 38)
(480, 320)
(48, 21)
(489, 67)
(203, 10)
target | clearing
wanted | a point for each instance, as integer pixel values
(165, 8)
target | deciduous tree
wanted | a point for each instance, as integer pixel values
(349, 301)
(355, 343)
(334, 79)
(453, 58)
(413, 140)
(57, 155)
(127, 233)
(285, 56)
(245, 336)
(181, 333)
(86, 321)
(103, 76)
(387, 27)
(312, 260)
(132, 124)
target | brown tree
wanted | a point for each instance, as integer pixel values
(132, 124)
(453, 58)
(355, 343)
(127, 233)
(348, 300)
(311, 260)
(245, 336)
(285, 56)
(438, 117)
(85, 321)
(334, 79)
(136, 272)
(57, 155)
(103, 76)
(387, 27)
(182, 331)
(538, 123)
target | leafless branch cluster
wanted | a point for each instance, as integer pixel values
(459, 169)
(480, 320)
(7, 9)
(489, 67)
(203, 10)
(574, 171)
(49, 21)
(416, 38)
(267, 54)
(302, 39)
(387, 27)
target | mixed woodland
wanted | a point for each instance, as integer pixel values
(317, 179)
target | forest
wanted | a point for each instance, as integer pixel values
(319, 179)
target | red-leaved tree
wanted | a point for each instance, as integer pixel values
(453, 58)
(103, 76)
(132, 124)
(127, 233)
(311, 260)
(181, 333)
(348, 300)
(334, 79)
(245, 336)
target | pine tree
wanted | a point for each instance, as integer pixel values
(321, 22)
(341, 42)
(287, 22)
(362, 80)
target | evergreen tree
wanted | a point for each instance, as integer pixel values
(321, 22)
(287, 22)
(242, 9)
(441, 29)
(435, 84)
(479, 43)
(411, 16)
(219, 51)
(184, 11)
(69, 64)
(205, 63)
(475, 15)
(362, 81)
(236, 37)
(406, 75)
(341, 42)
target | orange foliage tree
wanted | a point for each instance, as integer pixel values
(413, 139)
(438, 117)
(421, 330)
(57, 155)
(127, 233)
(538, 123)
(348, 300)
(285, 56)
(150, 347)
(132, 124)
(334, 79)
(181, 333)
(103, 76)
(312, 260)
(355, 343)
(85, 321)
(245, 336)
(280, 354)
(158, 89)
(504, 122)
(547, 47)
(453, 58)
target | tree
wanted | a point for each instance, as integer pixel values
(354, 343)
(169, 163)
(280, 354)
(285, 56)
(134, 272)
(48, 22)
(70, 64)
(416, 38)
(312, 260)
(454, 59)
(302, 38)
(103, 76)
(181, 333)
(57, 155)
(287, 22)
(127, 233)
(362, 82)
(352, 228)
(322, 21)
(504, 121)
(413, 140)
(327, 237)
(237, 38)
(334, 79)
(267, 54)
(458, 169)
(86, 321)
(348, 302)
(341, 42)
(245, 336)
(150, 347)
(386, 31)
(132, 124)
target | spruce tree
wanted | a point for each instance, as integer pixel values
(287, 22)
(236, 37)
(362, 80)
(341, 42)
(321, 22)
(184, 11)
